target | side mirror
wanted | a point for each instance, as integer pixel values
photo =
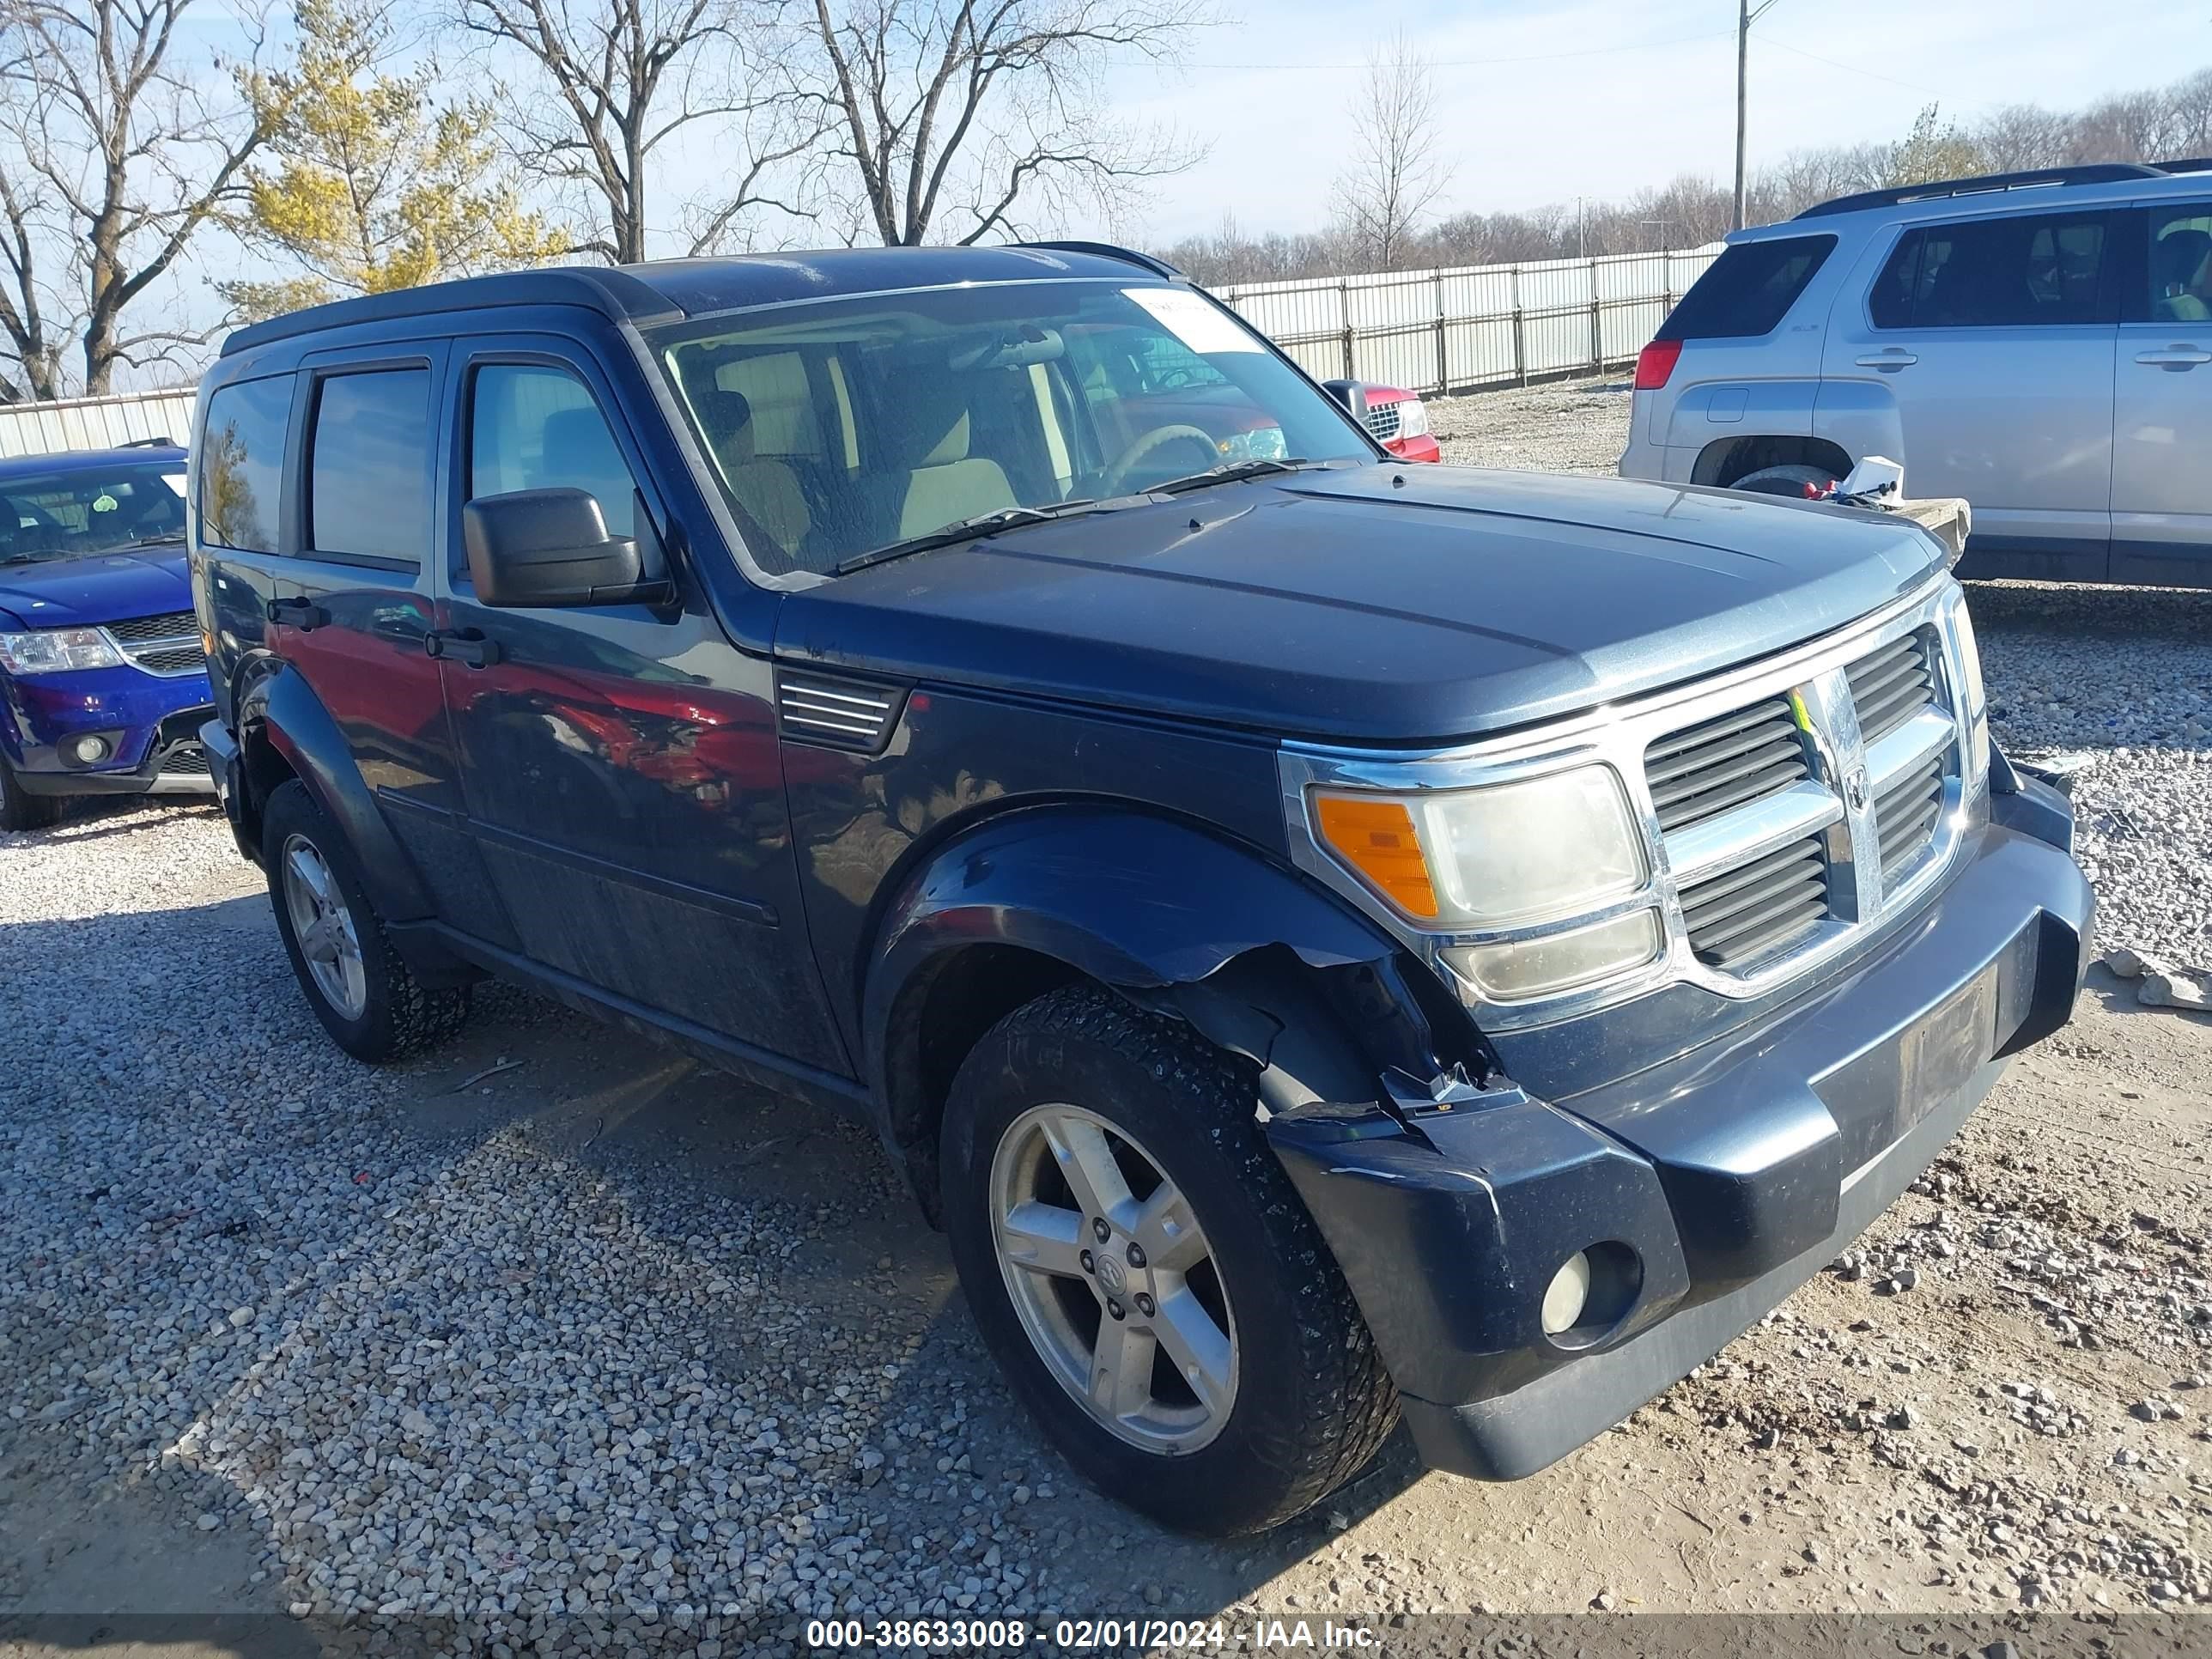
(1351, 394)
(532, 547)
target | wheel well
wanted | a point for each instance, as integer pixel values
(1723, 462)
(266, 770)
(934, 1025)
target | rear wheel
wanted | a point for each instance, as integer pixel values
(1141, 1267)
(20, 810)
(367, 997)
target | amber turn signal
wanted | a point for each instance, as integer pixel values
(1377, 838)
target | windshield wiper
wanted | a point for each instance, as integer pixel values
(1228, 472)
(166, 538)
(967, 529)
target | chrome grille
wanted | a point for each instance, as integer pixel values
(1904, 815)
(1382, 420)
(1766, 904)
(167, 644)
(1707, 769)
(1891, 685)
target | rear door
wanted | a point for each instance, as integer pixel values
(1995, 338)
(619, 763)
(317, 493)
(2162, 402)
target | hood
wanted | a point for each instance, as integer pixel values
(96, 587)
(1382, 605)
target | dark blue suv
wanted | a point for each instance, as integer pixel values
(102, 668)
(1329, 939)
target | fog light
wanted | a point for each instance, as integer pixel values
(1567, 1294)
(89, 751)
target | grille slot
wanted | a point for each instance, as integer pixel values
(1891, 685)
(837, 714)
(1761, 905)
(169, 625)
(1905, 814)
(167, 644)
(1382, 420)
(185, 760)
(1706, 769)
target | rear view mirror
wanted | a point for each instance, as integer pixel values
(532, 547)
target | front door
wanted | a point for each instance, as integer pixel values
(2162, 406)
(619, 763)
(1994, 337)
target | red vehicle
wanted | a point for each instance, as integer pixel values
(1400, 422)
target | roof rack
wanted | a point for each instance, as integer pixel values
(1157, 267)
(610, 290)
(2191, 164)
(2100, 173)
(149, 443)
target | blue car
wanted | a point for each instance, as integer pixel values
(103, 677)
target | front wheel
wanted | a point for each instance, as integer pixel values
(362, 989)
(1142, 1269)
(20, 809)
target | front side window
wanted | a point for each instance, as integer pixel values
(2181, 264)
(241, 463)
(535, 427)
(61, 513)
(840, 429)
(1994, 273)
(369, 466)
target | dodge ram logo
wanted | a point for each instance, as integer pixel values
(1110, 1274)
(1854, 789)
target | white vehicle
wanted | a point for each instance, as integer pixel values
(2039, 343)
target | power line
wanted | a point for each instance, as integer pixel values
(1909, 86)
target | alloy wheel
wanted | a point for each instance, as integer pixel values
(324, 927)
(1113, 1279)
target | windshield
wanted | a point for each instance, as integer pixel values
(840, 428)
(90, 509)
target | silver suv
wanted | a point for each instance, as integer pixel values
(2038, 342)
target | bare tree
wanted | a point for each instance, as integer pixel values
(115, 157)
(610, 81)
(2023, 137)
(1395, 175)
(959, 118)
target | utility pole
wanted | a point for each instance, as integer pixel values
(1746, 15)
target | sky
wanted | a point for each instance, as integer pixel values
(1541, 101)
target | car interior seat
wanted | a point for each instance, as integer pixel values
(935, 480)
(2177, 264)
(768, 490)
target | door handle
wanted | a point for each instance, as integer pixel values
(1895, 358)
(461, 645)
(2174, 357)
(303, 614)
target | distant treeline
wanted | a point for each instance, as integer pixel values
(2160, 123)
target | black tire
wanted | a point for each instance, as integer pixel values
(1788, 480)
(400, 1016)
(20, 810)
(1312, 1403)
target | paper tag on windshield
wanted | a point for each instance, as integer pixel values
(1192, 320)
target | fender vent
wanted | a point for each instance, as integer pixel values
(837, 714)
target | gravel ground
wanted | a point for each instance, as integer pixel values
(599, 1350)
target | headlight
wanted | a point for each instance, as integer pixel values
(57, 650)
(1515, 969)
(1413, 418)
(1490, 858)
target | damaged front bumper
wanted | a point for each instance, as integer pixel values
(1697, 1193)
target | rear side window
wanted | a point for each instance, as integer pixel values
(369, 466)
(1996, 273)
(1749, 290)
(241, 462)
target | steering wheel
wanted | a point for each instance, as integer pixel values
(1111, 480)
